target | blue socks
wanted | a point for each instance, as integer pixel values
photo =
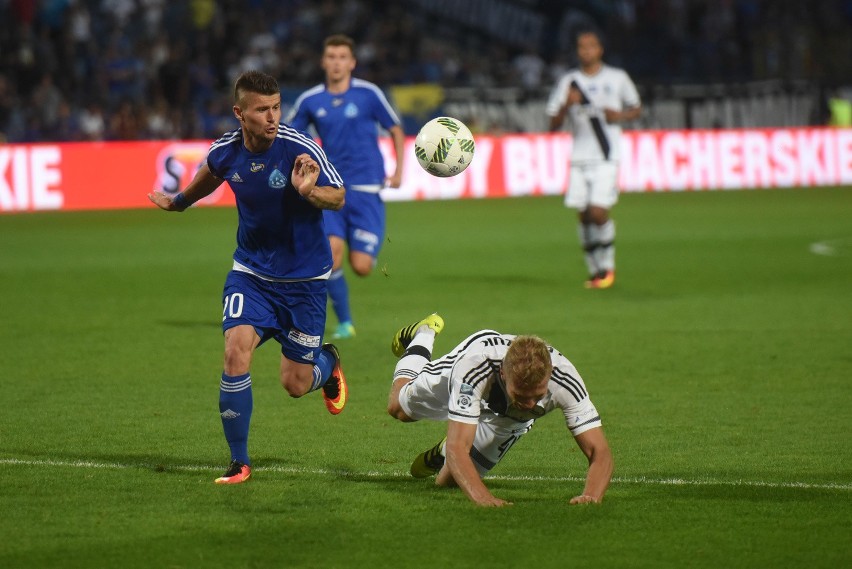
(235, 404)
(322, 369)
(338, 292)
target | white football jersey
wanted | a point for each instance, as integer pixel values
(610, 88)
(467, 383)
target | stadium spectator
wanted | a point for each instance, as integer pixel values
(282, 181)
(491, 389)
(347, 113)
(660, 42)
(92, 122)
(598, 97)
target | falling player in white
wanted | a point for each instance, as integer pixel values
(598, 97)
(490, 389)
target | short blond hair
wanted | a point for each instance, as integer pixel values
(527, 361)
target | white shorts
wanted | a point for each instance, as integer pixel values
(494, 435)
(592, 183)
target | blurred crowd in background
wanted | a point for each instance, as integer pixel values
(155, 69)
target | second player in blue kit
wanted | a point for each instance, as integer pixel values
(347, 113)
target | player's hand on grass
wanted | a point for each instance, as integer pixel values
(492, 502)
(305, 174)
(163, 201)
(583, 499)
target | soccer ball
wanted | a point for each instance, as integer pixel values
(444, 147)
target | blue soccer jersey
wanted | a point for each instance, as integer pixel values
(347, 123)
(280, 234)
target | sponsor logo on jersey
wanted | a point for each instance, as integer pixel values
(309, 356)
(303, 339)
(255, 167)
(236, 177)
(336, 102)
(228, 414)
(351, 111)
(466, 389)
(277, 179)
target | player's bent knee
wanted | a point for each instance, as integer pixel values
(398, 414)
(296, 386)
(294, 390)
(395, 409)
(237, 361)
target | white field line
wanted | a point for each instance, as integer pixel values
(641, 480)
(831, 247)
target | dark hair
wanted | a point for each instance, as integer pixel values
(589, 31)
(255, 82)
(340, 39)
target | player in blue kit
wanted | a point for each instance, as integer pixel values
(282, 181)
(346, 113)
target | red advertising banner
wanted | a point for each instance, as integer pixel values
(117, 175)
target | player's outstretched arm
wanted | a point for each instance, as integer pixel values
(201, 186)
(459, 468)
(594, 445)
(304, 178)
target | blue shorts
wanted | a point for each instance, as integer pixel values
(361, 222)
(293, 313)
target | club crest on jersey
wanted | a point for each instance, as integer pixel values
(351, 111)
(255, 167)
(277, 179)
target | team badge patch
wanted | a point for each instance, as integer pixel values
(351, 111)
(277, 179)
(465, 396)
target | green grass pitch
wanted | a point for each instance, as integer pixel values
(720, 362)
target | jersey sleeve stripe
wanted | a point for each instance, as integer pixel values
(568, 378)
(595, 419)
(380, 94)
(457, 414)
(294, 135)
(478, 374)
(577, 397)
(301, 99)
(225, 139)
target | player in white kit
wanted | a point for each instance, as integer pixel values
(597, 97)
(491, 388)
